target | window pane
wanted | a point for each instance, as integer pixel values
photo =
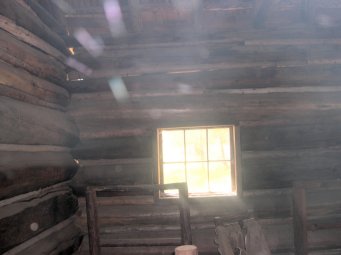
(219, 144)
(173, 173)
(196, 147)
(220, 177)
(197, 177)
(173, 149)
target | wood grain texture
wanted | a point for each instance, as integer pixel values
(21, 85)
(300, 221)
(271, 76)
(258, 77)
(92, 220)
(16, 224)
(22, 172)
(20, 54)
(24, 123)
(27, 19)
(29, 38)
(61, 238)
(113, 148)
(112, 172)
(271, 169)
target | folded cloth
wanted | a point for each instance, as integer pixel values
(255, 241)
(232, 239)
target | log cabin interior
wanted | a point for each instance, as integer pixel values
(103, 103)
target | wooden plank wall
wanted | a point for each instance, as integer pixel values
(37, 206)
(279, 81)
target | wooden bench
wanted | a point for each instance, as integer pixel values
(92, 217)
(300, 219)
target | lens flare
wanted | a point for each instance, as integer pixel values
(119, 89)
(114, 17)
(80, 67)
(93, 45)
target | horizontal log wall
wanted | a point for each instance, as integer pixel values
(47, 224)
(37, 206)
(282, 91)
(31, 218)
(270, 67)
(24, 171)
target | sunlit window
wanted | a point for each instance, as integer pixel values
(204, 157)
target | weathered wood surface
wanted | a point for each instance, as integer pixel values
(300, 221)
(271, 169)
(113, 148)
(27, 19)
(92, 220)
(208, 19)
(258, 77)
(24, 123)
(120, 127)
(92, 217)
(263, 97)
(121, 200)
(190, 55)
(277, 232)
(61, 238)
(45, 16)
(319, 133)
(301, 129)
(271, 80)
(19, 95)
(21, 85)
(129, 221)
(23, 220)
(185, 216)
(166, 250)
(59, 187)
(22, 171)
(200, 106)
(302, 123)
(168, 59)
(142, 242)
(29, 38)
(262, 204)
(35, 136)
(112, 172)
(292, 35)
(280, 129)
(57, 12)
(33, 148)
(170, 68)
(262, 169)
(38, 63)
(271, 38)
(280, 132)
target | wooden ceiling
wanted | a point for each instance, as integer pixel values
(182, 38)
(178, 20)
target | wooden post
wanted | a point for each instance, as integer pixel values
(300, 221)
(185, 220)
(91, 213)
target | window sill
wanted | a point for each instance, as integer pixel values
(209, 199)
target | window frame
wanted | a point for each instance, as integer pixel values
(235, 159)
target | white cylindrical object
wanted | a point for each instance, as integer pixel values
(186, 250)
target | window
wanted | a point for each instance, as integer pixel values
(204, 157)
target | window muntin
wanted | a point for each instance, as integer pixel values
(204, 157)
